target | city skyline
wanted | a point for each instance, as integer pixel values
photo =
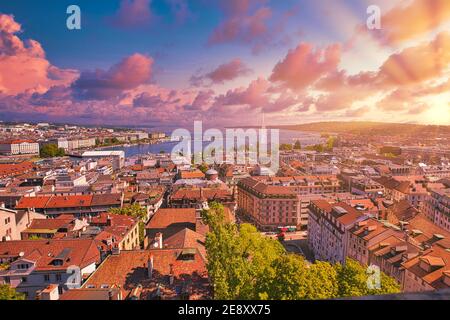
(170, 62)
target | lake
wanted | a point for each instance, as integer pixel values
(286, 136)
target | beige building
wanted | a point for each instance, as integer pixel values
(13, 222)
(16, 147)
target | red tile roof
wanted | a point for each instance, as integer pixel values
(79, 252)
(165, 217)
(71, 201)
(130, 269)
(33, 202)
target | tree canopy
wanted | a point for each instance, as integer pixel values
(8, 293)
(244, 264)
(51, 150)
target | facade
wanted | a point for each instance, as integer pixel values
(117, 156)
(283, 201)
(429, 271)
(365, 234)
(13, 222)
(268, 206)
(18, 147)
(33, 265)
(437, 208)
(328, 229)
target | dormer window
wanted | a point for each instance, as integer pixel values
(57, 262)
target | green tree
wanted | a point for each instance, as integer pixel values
(237, 256)
(8, 293)
(285, 146)
(203, 167)
(297, 145)
(51, 150)
(331, 142)
(316, 147)
(353, 281)
(244, 264)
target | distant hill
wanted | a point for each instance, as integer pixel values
(371, 128)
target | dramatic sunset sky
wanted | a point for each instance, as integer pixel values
(226, 62)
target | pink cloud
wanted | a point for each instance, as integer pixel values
(133, 13)
(128, 74)
(23, 66)
(224, 72)
(304, 65)
(418, 17)
(242, 28)
(419, 63)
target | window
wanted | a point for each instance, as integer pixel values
(58, 277)
(46, 277)
(24, 279)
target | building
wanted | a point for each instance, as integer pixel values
(117, 156)
(366, 234)
(198, 198)
(273, 202)
(269, 206)
(160, 274)
(54, 228)
(32, 265)
(429, 271)
(77, 205)
(170, 221)
(117, 231)
(18, 147)
(437, 208)
(13, 222)
(329, 228)
(14, 169)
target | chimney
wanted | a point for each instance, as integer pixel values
(171, 275)
(150, 267)
(108, 220)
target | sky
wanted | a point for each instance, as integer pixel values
(225, 62)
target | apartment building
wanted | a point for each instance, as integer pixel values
(77, 205)
(328, 229)
(365, 186)
(366, 234)
(269, 206)
(437, 208)
(32, 265)
(13, 222)
(429, 271)
(283, 201)
(18, 147)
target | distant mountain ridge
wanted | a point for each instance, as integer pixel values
(370, 128)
